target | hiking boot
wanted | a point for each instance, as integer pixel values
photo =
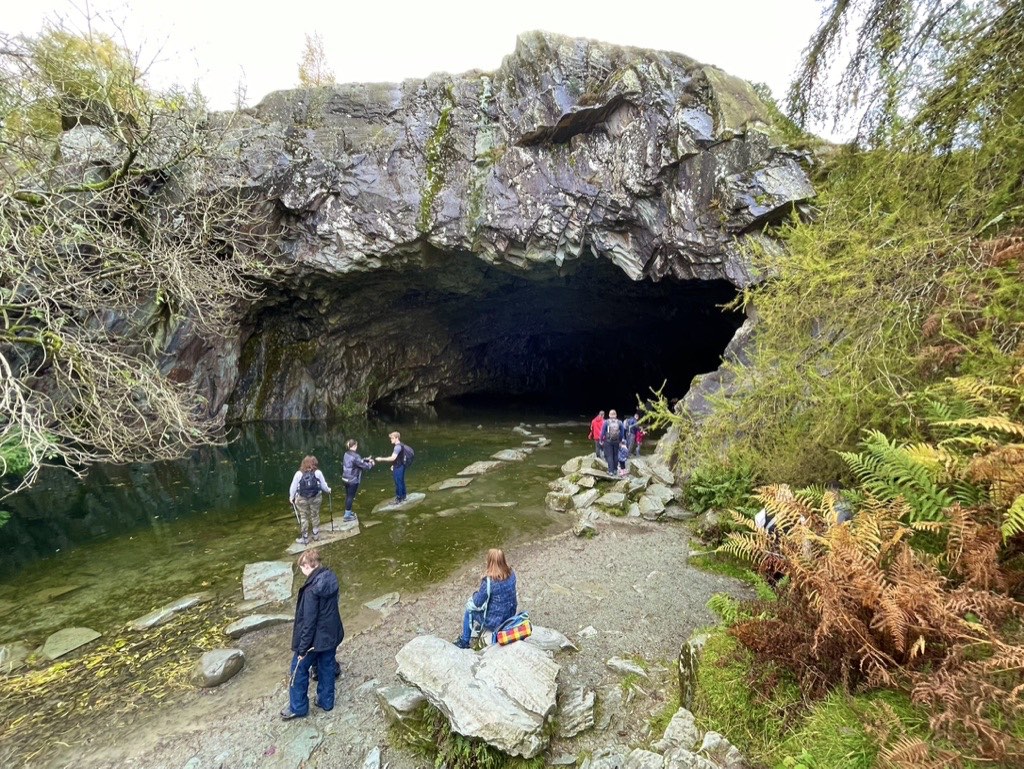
(461, 644)
(302, 540)
(316, 536)
(288, 715)
(348, 517)
(316, 703)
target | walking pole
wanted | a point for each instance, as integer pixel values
(298, 520)
(330, 503)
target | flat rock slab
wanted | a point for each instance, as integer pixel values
(165, 613)
(599, 475)
(410, 501)
(612, 499)
(383, 603)
(626, 667)
(67, 640)
(267, 580)
(47, 595)
(295, 747)
(217, 666)
(254, 622)
(450, 483)
(342, 530)
(479, 468)
(510, 455)
(502, 696)
(12, 656)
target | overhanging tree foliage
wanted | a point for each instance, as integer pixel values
(113, 234)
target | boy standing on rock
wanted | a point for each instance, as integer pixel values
(351, 474)
(397, 460)
(316, 635)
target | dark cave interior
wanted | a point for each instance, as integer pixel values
(457, 329)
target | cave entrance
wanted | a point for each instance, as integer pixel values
(455, 329)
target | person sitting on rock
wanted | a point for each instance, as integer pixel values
(316, 635)
(495, 601)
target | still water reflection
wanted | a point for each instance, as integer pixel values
(101, 551)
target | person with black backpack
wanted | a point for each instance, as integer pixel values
(611, 436)
(306, 494)
(351, 474)
(401, 457)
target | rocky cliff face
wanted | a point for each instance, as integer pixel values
(454, 234)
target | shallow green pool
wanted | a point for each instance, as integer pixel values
(101, 551)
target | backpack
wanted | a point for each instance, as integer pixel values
(408, 455)
(614, 430)
(309, 485)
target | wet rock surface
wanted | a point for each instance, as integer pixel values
(67, 640)
(217, 666)
(492, 191)
(267, 581)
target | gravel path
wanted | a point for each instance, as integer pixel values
(631, 583)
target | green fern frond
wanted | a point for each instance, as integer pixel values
(1013, 519)
(999, 424)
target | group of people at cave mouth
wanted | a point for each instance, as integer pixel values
(318, 631)
(616, 440)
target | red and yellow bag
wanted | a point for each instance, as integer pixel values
(515, 629)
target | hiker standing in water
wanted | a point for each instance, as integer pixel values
(611, 436)
(596, 424)
(398, 462)
(306, 495)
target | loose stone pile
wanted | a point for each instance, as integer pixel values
(647, 491)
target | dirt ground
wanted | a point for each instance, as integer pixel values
(631, 583)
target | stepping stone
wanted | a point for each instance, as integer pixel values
(509, 455)
(342, 530)
(521, 431)
(410, 501)
(47, 595)
(165, 613)
(478, 468)
(368, 524)
(384, 604)
(255, 622)
(67, 640)
(244, 607)
(450, 483)
(12, 656)
(447, 512)
(267, 580)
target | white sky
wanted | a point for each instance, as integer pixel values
(219, 43)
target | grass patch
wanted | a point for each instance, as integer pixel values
(753, 718)
(726, 565)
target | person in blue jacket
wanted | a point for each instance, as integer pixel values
(493, 603)
(316, 635)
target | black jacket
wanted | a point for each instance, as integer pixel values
(317, 619)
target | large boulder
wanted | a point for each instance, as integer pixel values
(503, 696)
(267, 580)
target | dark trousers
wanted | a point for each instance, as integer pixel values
(350, 495)
(597, 448)
(611, 456)
(400, 483)
(298, 687)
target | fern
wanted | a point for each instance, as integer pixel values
(1013, 519)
